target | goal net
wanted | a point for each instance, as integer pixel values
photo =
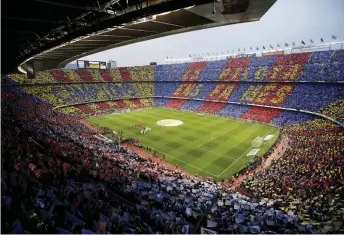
(257, 142)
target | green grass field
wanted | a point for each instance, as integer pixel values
(209, 145)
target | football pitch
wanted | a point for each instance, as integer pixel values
(208, 145)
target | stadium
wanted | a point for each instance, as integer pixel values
(248, 141)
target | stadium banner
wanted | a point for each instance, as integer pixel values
(85, 64)
(273, 53)
(102, 65)
(80, 64)
(92, 65)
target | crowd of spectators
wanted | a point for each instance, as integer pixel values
(142, 73)
(210, 107)
(308, 177)
(311, 67)
(212, 70)
(77, 199)
(138, 73)
(282, 67)
(335, 110)
(192, 105)
(170, 72)
(67, 94)
(58, 178)
(310, 97)
(313, 97)
(261, 114)
(175, 103)
(106, 107)
(291, 117)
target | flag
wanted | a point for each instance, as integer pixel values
(311, 40)
(322, 40)
(303, 42)
(264, 47)
(278, 45)
(190, 55)
(334, 37)
(271, 46)
(286, 44)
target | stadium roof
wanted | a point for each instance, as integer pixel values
(46, 34)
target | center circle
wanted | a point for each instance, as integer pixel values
(169, 122)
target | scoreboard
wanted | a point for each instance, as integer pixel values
(86, 64)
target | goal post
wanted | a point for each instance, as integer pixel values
(257, 142)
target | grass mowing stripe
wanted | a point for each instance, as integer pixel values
(216, 153)
(182, 161)
(219, 145)
(241, 155)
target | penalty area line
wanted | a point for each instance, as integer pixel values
(212, 138)
(241, 155)
(216, 153)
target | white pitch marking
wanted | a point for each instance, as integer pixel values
(182, 161)
(217, 153)
(240, 155)
(216, 137)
